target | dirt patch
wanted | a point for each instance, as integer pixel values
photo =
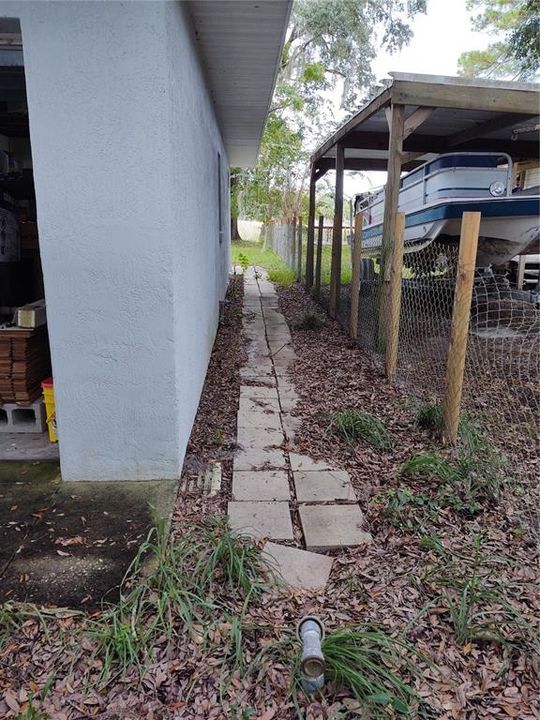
(70, 544)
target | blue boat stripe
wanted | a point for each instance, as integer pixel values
(453, 211)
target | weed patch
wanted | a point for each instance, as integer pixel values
(367, 663)
(354, 425)
(310, 321)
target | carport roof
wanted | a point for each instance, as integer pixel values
(240, 43)
(442, 114)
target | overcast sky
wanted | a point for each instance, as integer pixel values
(440, 36)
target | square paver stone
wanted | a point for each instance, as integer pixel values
(299, 568)
(254, 419)
(261, 519)
(259, 437)
(330, 527)
(256, 458)
(258, 391)
(323, 486)
(261, 485)
(305, 463)
(259, 404)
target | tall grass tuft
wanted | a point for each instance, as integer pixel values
(172, 585)
(429, 416)
(354, 425)
(367, 663)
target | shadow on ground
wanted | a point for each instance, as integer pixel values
(70, 544)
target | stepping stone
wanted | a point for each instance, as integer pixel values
(284, 357)
(262, 485)
(323, 486)
(298, 568)
(331, 527)
(265, 405)
(254, 391)
(257, 458)
(266, 372)
(261, 519)
(259, 437)
(258, 419)
(291, 425)
(304, 462)
(288, 401)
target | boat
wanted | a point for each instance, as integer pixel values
(435, 195)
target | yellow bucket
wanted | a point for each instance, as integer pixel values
(48, 395)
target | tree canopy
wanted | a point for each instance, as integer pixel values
(328, 53)
(515, 50)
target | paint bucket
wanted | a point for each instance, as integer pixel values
(48, 395)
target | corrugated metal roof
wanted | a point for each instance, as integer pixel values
(240, 43)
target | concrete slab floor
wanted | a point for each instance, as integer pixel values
(260, 485)
(323, 486)
(27, 446)
(70, 544)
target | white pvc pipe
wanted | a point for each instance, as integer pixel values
(311, 632)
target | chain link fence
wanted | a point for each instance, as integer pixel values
(502, 370)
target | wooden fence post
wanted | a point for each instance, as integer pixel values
(299, 251)
(457, 349)
(318, 262)
(337, 235)
(291, 254)
(311, 230)
(356, 274)
(394, 299)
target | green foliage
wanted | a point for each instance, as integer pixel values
(474, 475)
(515, 52)
(256, 256)
(329, 44)
(285, 278)
(466, 583)
(367, 664)
(354, 425)
(429, 417)
(243, 261)
(310, 321)
(405, 508)
(171, 585)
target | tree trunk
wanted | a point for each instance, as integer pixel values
(234, 229)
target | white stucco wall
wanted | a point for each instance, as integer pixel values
(124, 143)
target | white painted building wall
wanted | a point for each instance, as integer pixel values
(125, 152)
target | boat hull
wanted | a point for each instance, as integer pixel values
(508, 226)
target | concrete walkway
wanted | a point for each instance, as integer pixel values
(270, 482)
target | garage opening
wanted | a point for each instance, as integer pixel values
(25, 361)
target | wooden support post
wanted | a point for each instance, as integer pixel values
(318, 264)
(356, 275)
(337, 237)
(521, 271)
(311, 230)
(394, 304)
(291, 254)
(391, 198)
(299, 251)
(457, 349)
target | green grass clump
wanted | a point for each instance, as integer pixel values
(475, 473)
(354, 425)
(367, 663)
(285, 277)
(172, 585)
(429, 416)
(310, 321)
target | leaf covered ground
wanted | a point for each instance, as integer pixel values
(452, 575)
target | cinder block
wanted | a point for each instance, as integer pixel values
(23, 418)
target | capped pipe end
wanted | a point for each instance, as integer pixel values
(313, 666)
